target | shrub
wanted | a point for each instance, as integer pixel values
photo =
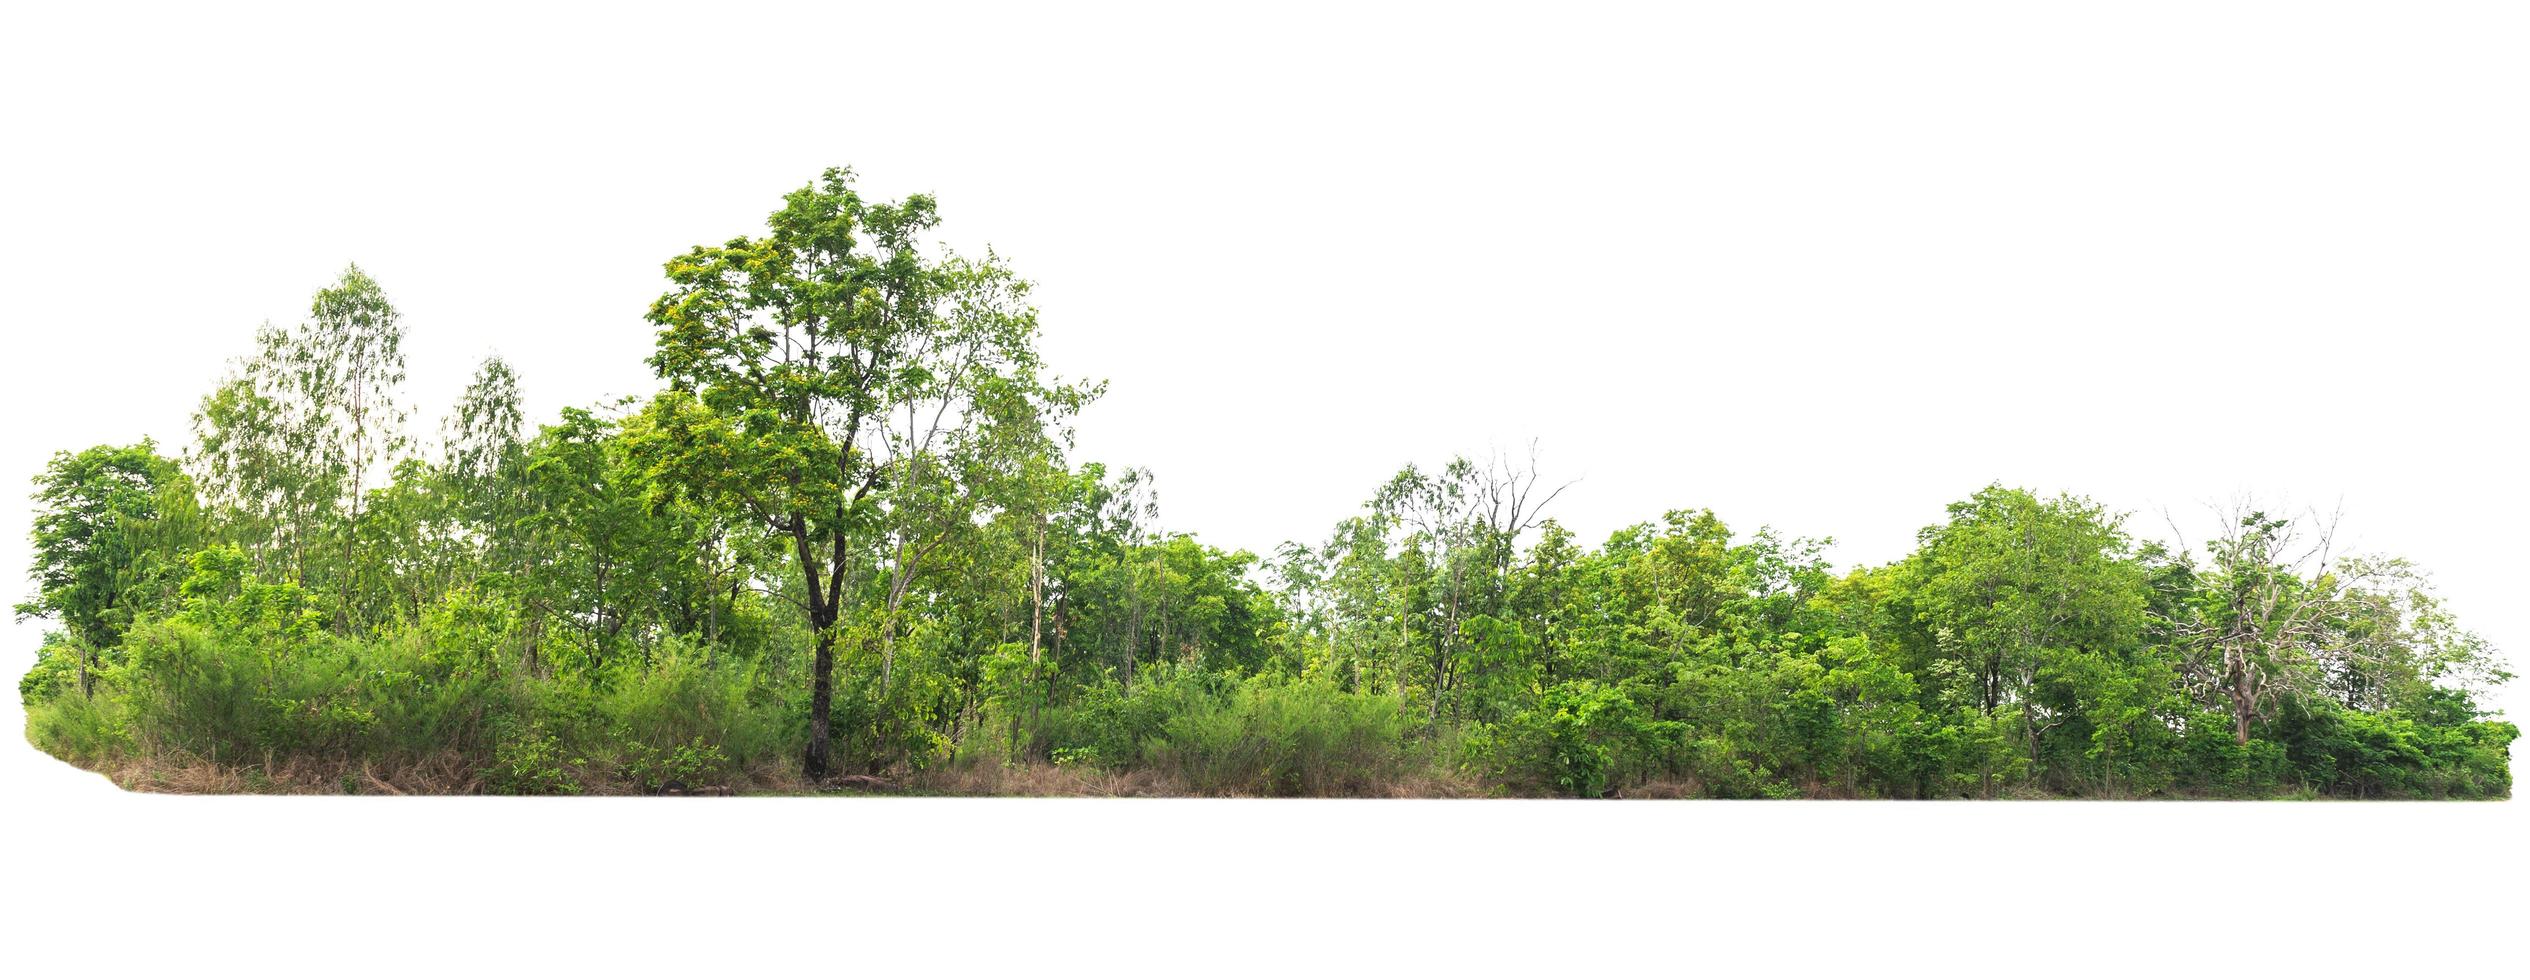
(2366, 755)
(422, 706)
(528, 761)
(77, 729)
(687, 720)
(1112, 727)
(1573, 742)
(56, 672)
(1273, 736)
(652, 768)
(225, 697)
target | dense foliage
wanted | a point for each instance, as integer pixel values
(844, 543)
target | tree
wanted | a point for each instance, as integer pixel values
(288, 443)
(481, 439)
(2391, 643)
(350, 359)
(110, 533)
(821, 378)
(256, 463)
(1461, 526)
(2279, 615)
(2011, 582)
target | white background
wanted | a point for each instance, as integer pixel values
(1823, 266)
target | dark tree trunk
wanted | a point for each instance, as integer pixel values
(823, 614)
(821, 704)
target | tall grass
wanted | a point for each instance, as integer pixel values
(340, 712)
(1199, 733)
(1275, 737)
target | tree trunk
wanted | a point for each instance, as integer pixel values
(1438, 664)
(887, 652)
(2244, 700)
(1132, 645)
(821, 703)
(1036, 595)
(1133, 627)
(711, 628)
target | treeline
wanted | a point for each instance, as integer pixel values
(844, 545)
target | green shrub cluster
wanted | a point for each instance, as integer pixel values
(1261, 735)
(245, 675)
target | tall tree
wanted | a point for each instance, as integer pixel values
(103, 544)
(291, 440)
(350, 361)
(481, 438)
(2013, 580)
(819, 377)
(2279, 615)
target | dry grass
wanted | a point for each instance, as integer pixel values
(451, 775)
(1663, 789)
(445, 774)
(454, 774)
(439, 775)
(990, 777)
(1436, 786)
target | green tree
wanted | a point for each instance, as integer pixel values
(111, 528)
(822, 380)
(482, 439)
(289, 443)
(2012, 581)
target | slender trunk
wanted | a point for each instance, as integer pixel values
(2030, 732)
(887, 652)
(1405, 644)
(711, 619)
(1133, 630)
(1036, 624)
(1439, 662)
(2244, 700)
(1441, 650)
(1036, 595)
(1132, 644)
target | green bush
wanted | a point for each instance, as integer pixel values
(1273, 736)
(1577, 741)
(528, 761)
(78, 729)
(2366, 755)
(245, 676)
(1112, 727)
(684, 719)
(229, 698)
(56, 672)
